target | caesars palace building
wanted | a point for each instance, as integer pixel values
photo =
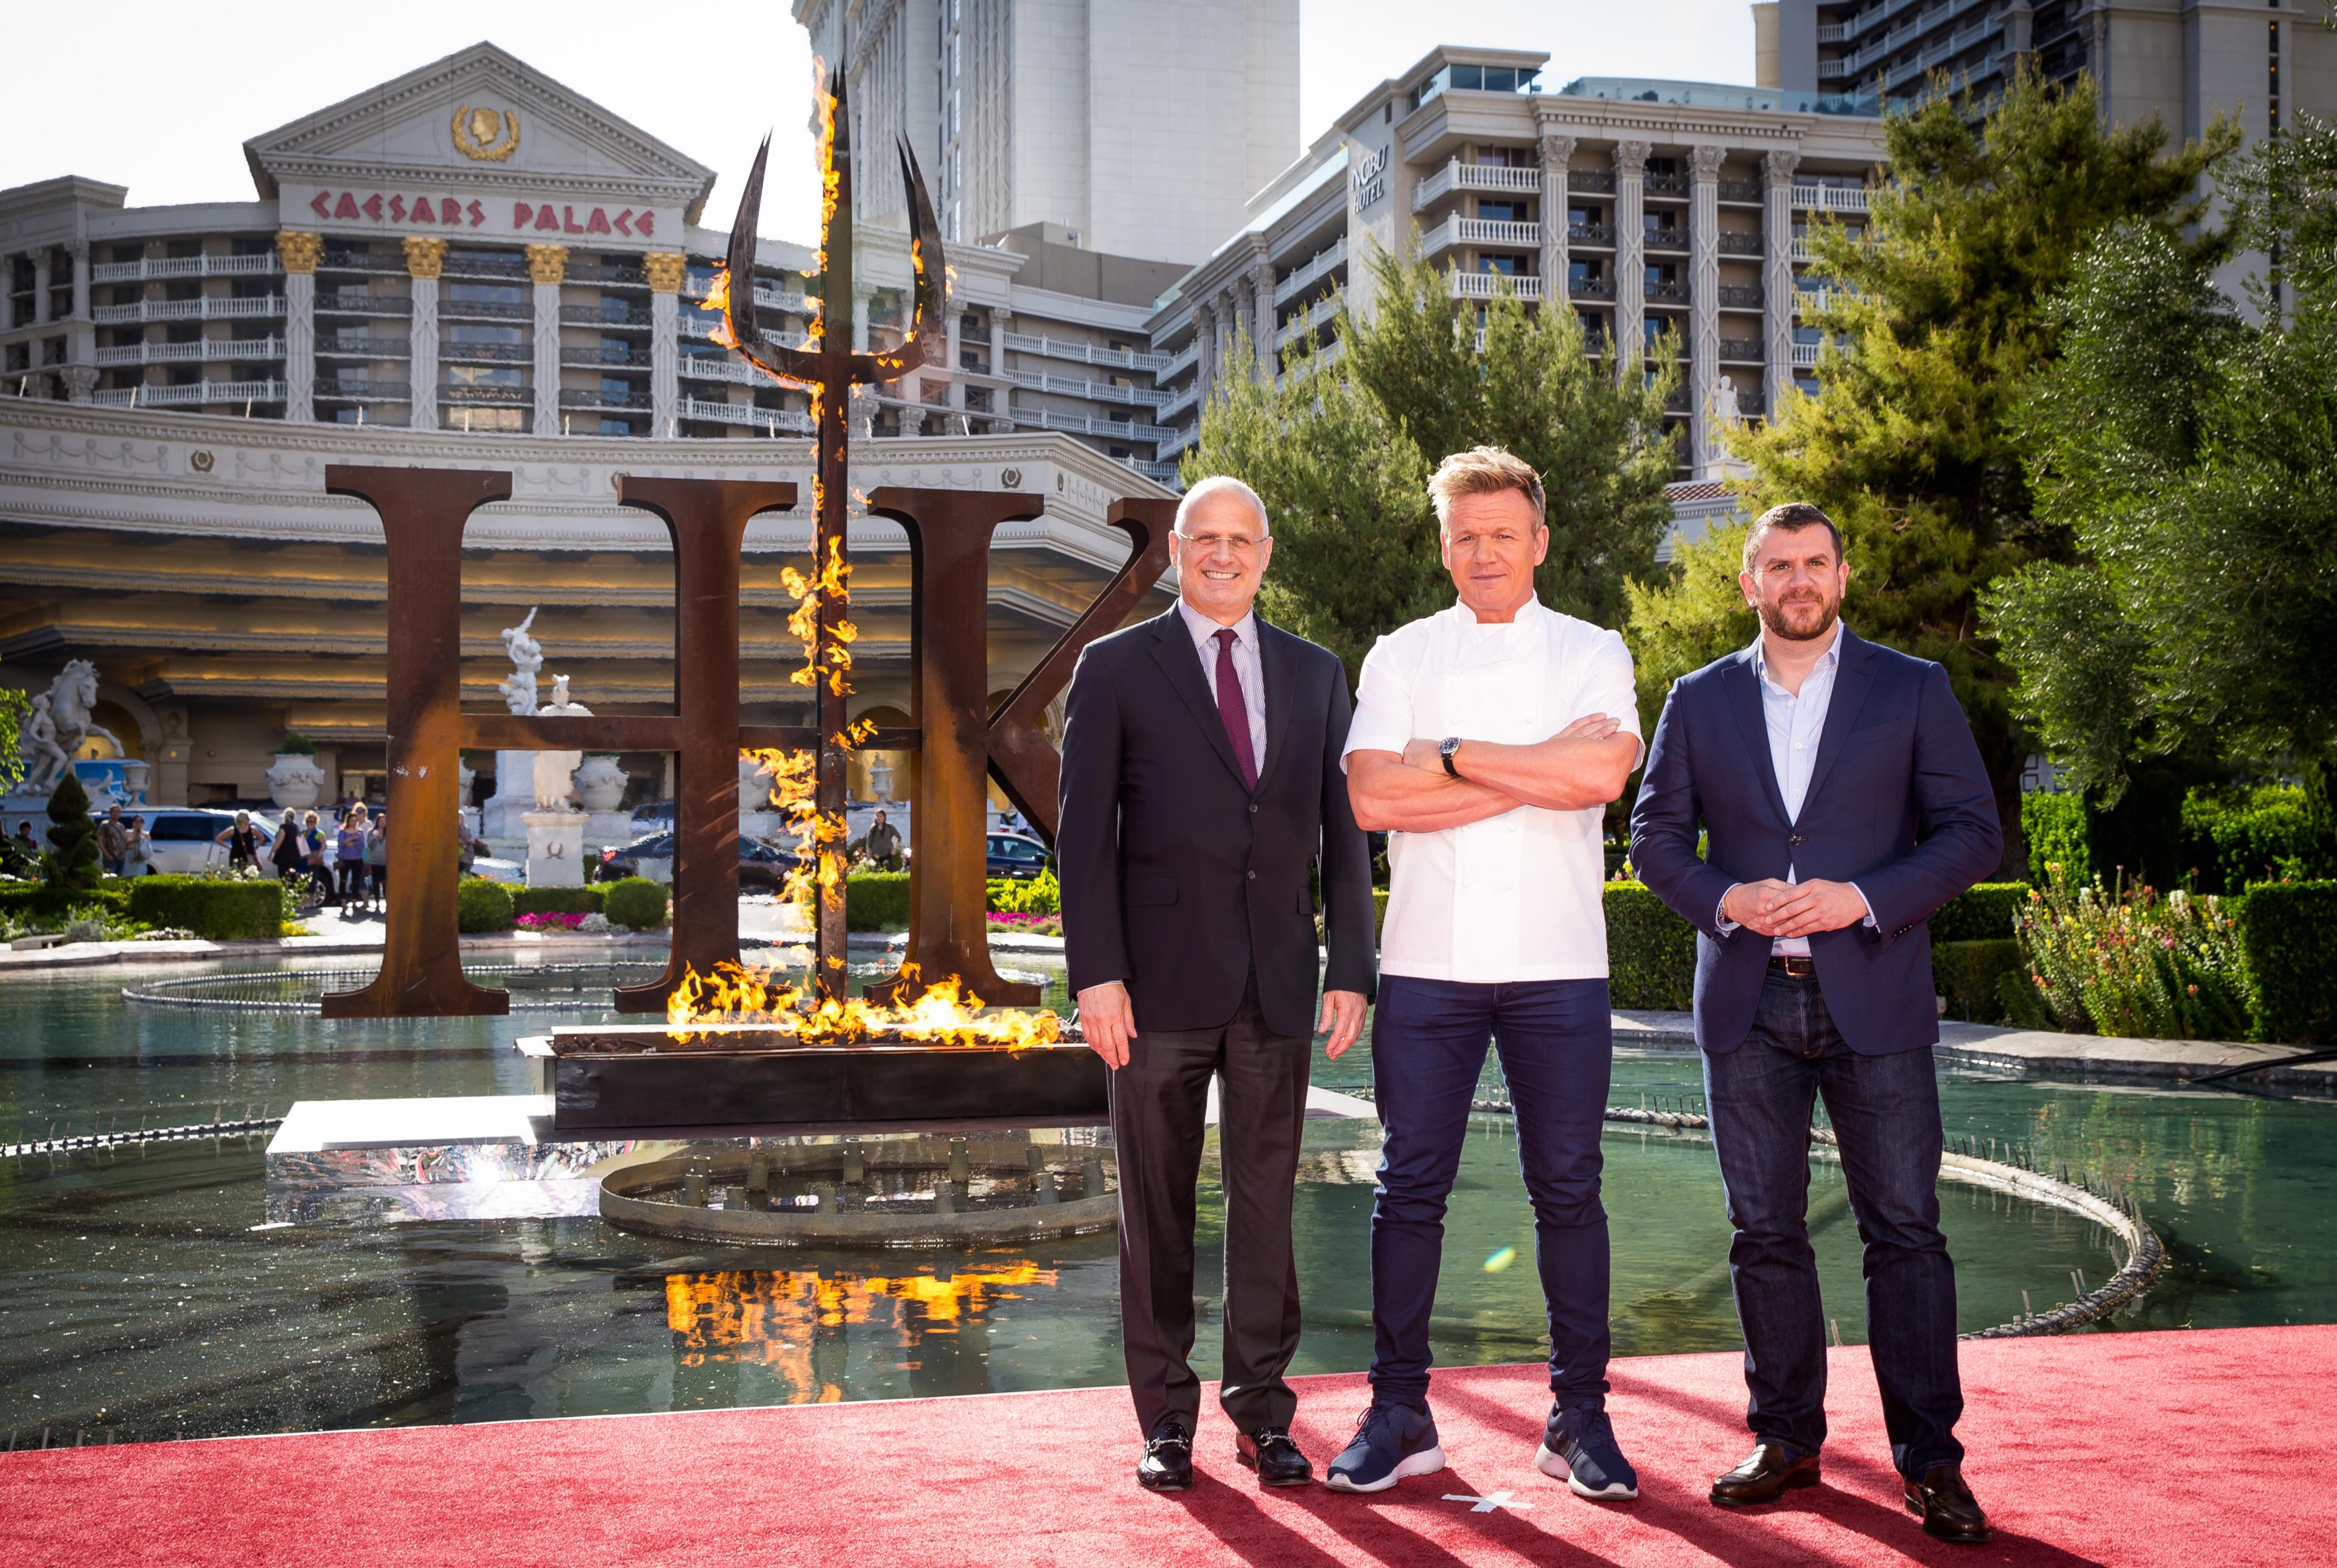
(472, 265)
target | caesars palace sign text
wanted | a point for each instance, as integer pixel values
(406, 211)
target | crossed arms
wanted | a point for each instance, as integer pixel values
(1584, 765)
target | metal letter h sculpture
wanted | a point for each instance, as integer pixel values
(960, 742)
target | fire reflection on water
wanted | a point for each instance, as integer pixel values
(771, 1317)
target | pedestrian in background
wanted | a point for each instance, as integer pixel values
(376, 855)
(312, 859)
(112, 842)
(285, 852)
(242, 841)
(349, 847)
(137, 847)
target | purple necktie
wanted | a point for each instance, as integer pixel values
(1230, 708)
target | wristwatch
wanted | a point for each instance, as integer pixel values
(1444, 750)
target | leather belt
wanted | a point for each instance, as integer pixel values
(1801, 968)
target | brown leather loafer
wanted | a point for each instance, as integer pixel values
(1946, 1507)
(1766, 1476)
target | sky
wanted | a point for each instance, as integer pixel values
(165, 102)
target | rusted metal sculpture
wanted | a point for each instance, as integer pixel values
(961, 743)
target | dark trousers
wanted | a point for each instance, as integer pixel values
(1886, 1111)
(1428, 1048)
(1158, 1103)
(352, 880)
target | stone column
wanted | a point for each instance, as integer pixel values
(546, 266)
(298, 250)
(1777, 277)
(81, 345)
(1270, 359)
(665, 269)
(1204, 348)
(1557, 153)
(1001, 396)
(79, 382)
(1630, 248)
(859, 323)
(952, 340)
(1703, 307)
(425, 257)
(40, 282)
(78, 251)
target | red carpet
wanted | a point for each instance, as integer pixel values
(2166, 1449)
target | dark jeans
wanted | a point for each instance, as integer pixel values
(1158, 1103)
(1428, 1049)
(352, 880)
(1886, 1111)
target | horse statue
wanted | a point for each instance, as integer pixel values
(59, 724)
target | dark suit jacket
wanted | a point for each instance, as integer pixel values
(1175, 878)
(1898, 802)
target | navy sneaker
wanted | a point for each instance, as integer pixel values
(1578, 1447)
(1391, 1442)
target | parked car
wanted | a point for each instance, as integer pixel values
(186, 839)
(1016, 856)
(761, 866)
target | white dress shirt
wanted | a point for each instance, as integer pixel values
(1516, 897)
(1247, 672)
(1796, 722)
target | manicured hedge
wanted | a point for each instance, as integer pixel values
(1969, 974)
(584, 900)
(2245, 836)
(482, 905)
(2056, 828)
(1981, 914)
(35, 901)
(219, 909)
(635, 903)
(1650, 952)
(2288, 947)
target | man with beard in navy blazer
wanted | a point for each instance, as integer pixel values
(1843, 801)
(1201, 784)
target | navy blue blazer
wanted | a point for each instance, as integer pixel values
(1898, 802)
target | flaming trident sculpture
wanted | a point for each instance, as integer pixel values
(831, 370)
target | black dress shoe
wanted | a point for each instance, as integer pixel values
(1277, 1459)
(1167, 1462)
(1949, 1511)
(1766, 1476)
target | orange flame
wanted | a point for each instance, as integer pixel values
(718, 300)
(944, 1013)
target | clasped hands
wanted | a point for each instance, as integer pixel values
(1107, 1022)
(1776, 908)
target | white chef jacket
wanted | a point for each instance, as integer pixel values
(1516, 897)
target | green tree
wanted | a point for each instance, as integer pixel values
(71, 865)
(1341, 453)
(1935, 316)
(2189, 452)
(14, 705)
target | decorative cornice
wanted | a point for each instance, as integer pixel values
(1631, 157)
(1704, 160)
(1778, 166)
(426, 256)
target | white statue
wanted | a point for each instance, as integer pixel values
(527, 657)
(1724, 404)
(554, 770)
(58, 725)
(1726, 415)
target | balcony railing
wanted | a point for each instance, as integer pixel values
(193, 394)
(488, 310)
(1830, 199)
(1832, 70)
(772, 422)
(767, 294)
(359, 302)
(1667, 185)
(359, 261)
(1455, 231)
(1739, 244)
(1174, 441)
(1082, 424)
(1598, 234)
(484, 392)
(606, 274)
(606, 315)
(1740, 296)
(1158, 472)
(1085, 353)
(190, 309)
(1592, 180)
(1590, 288)
(1081, 386)
(1740, 350)
(1483, 285)
(1312, 268)
(1667, 293)
(204, 351)
(461, 265)
(1458, 175)
(702, 329)
(1183, 360)
(604, 397)
(454, 351)
(1830, 32)
(639, 358)
(363, 348)
(1673, 240)
(1740, 190)
(1182, 401)
(354, 389)
(721, 367)
(156, 266)
(1305, 323)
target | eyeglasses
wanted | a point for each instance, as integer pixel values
(1209, 543)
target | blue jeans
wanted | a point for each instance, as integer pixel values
(1428, 1048)
(1886, 1111)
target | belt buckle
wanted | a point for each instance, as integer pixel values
(1799, 967)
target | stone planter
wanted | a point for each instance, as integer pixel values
(295, 781)
(600, 783)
